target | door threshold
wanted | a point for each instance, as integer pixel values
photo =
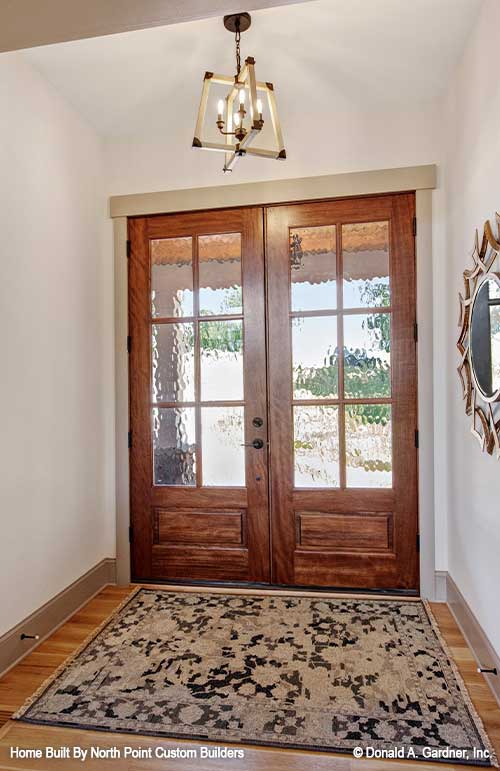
(248, 587)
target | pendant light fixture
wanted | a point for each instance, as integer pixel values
(237, 124)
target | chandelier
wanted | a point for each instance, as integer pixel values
(237, 125)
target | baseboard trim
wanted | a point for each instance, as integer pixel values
(440, 585)
(46, 619)
(476, 638)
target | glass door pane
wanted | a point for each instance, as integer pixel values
(366, 286)
(220, 274)
(198, 363)
(313, 268)
(367, 355)
(315, 355)
(365, 256)
(172, 277)
(316, 446)
(174, 446)
(368, 430)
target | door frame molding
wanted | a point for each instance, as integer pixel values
(421, 179)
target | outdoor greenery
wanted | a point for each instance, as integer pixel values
(221, 337)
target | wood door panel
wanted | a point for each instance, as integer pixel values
(322, 533)
(324, 570)
(365, 532)
(195, 526)
(169, 563)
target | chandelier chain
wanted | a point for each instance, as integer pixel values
(238, 55)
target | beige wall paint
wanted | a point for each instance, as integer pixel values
(56, 332)
(363, 140)
(471, 195)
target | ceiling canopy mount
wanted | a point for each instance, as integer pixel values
(237, 22)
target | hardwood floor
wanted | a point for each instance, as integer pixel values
(26, 676)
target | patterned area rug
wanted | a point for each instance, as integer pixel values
(312, 673)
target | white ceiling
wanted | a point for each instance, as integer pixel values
(385, 54)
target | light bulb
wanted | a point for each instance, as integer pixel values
(242, 96)
(259, 106)
(220, 107)
(236, 119)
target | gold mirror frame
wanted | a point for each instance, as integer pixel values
(485, 420)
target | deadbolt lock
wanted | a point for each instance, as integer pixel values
(257, 444)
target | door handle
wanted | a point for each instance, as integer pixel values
(257, 444)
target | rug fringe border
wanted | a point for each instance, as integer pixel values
(461, 685)
(69, 660)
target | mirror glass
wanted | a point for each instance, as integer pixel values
(485, 337)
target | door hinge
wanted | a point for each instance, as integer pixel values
(129, 344)
(415, 331)
(414, 226)
(129, 248)
(417, 439)
(130, 534)
(418, 543)
(130, 440)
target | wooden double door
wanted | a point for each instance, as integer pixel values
(273, 395)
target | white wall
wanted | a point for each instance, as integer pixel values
(56, 388)
(352, 140)
(472, 194)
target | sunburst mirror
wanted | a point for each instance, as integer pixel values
(479, 340)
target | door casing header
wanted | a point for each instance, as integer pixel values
(399, 180)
